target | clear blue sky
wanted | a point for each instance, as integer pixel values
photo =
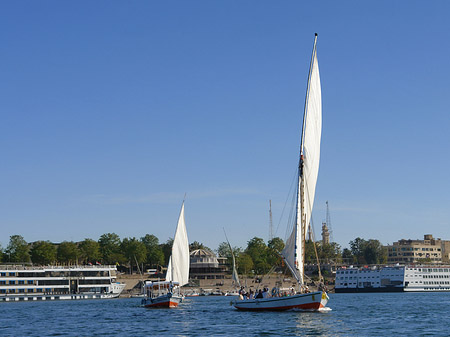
(112, 110)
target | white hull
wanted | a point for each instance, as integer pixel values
(310, 302)
(65, 297)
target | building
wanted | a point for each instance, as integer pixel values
(428, 250)
(204, 265)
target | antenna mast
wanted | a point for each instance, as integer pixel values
(270, 221)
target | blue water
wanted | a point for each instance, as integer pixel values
(394, 314)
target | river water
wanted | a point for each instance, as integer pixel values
(383, 314)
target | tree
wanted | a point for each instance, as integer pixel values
(368, 252)
(347, 256)
(275, 246)
(134, 250)
(155, 254)
(357, 249)
(197, 245)
(167, 250)
(329, 252)
(68, 252)
(374, 252)
(43, 252)
(109, 247)
(257, 250)
(90, 251)
(18, 250)
(223, 250)
(244, 264)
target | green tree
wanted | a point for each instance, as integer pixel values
(244, 264)
(357, 248)
(167, 250)
(329, 252)
(374, 252)
(68, 252)
(257, 250)
(275, 246)
(134, 250)
(43, 252)
(310, 253)
(197, 245)
(155, 254)
(110, 249)
(347, 256)
(90, 251)
(18, 249)
(223, 250)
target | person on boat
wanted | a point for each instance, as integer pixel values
(250, 294)
(260, 294)
(265, 293)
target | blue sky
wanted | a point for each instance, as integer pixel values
(111, 111)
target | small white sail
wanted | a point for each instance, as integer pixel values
(178, 268)
(234, 275)
(293, 252)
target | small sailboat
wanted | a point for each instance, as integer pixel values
(308, 169)
(166, 294)
(234, 276)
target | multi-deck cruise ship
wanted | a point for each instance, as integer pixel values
(393, 278)
(21, 283)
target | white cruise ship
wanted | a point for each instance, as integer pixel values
(22, 283)
(392, 278)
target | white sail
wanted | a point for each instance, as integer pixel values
(234, 275)
(293, 252)
(178, 268)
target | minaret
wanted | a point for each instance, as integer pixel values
(325, 234)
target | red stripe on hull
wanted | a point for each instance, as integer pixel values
(306, 306)
(168, 304)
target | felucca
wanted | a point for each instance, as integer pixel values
(167, 294)
(308, 169)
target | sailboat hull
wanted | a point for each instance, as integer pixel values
(308, 302)
(163, 301)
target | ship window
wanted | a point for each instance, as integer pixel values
(39, 290)
(30, 290)
(12, 282)
(29, 282)
(2, 291)
(3, 274)
(21, 282)
(21, 290)
(2, 282)
(12, 274)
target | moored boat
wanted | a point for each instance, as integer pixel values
(24, 283)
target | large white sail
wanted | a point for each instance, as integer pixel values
(178, 268)
(293, 252)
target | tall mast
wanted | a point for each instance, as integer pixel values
(270, 221)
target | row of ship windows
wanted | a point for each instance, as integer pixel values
(54, 282)
(403, 249)
(435, 270)
(436, 282)
(14, 291)
(72, 273)
(19, 282)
